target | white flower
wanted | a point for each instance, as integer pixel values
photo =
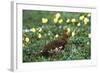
(78, 24)
(44, 20)
(73, 33)
(58, 15)
(56, 35)
(39, 35)
(27, 39)
(33, 30)
(73, 20)
(40, 29)
(26, 30)
(81, 17)
(87, 43)
(49, 33)
(60, 21)
(68, 30)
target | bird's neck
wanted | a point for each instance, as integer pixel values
(65, 37)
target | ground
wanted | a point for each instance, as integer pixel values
(41, 27)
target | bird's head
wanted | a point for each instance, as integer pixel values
(66, 35)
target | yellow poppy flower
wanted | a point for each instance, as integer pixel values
(73, 20)
(60, 21)
(33, 30)
(86, 20)
(68, 20)
(44, 20)
(78, 24)
(55, 20)
(81, 17)
(89, 15)
(58, 15)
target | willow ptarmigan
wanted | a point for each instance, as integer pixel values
(55, 46)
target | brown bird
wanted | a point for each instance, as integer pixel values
(55, 46)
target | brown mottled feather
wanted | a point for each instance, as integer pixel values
(55, 45)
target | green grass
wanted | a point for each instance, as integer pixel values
(78, 46)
